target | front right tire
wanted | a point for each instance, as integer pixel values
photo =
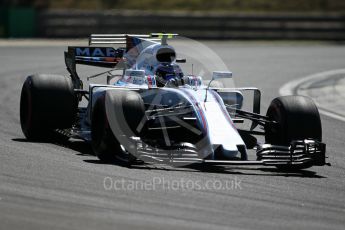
(130, 110)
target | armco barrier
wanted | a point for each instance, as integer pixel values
(17, 22)
(78, 23)
(3, 22)
(21, 22)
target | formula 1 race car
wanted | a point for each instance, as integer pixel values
(152, 112)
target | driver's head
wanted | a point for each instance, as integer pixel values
(166, 72)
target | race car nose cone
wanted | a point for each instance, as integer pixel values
(224, 152)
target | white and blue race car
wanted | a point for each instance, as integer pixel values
(152, 112)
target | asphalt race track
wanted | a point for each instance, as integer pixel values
(61, 186)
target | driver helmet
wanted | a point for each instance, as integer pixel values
(167, 72)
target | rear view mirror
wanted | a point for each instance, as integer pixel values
(221, 74)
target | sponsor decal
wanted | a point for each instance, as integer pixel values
(96, 51)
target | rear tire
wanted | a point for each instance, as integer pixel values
(298, 119)
(47, 103)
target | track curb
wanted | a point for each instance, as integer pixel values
(292, 87)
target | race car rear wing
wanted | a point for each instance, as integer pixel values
(110, 57)
(111, 39)
(93, 56)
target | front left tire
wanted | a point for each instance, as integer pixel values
(297, 118)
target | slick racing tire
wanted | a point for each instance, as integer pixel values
(47, 103)
(129, 110)
(297, 118)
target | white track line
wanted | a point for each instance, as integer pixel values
(291, 87)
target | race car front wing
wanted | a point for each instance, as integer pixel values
(300, 152)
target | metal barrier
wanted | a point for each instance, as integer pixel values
(78, 23)
(17, 22)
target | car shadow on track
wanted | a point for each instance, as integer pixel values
(84, 149)
(218, 170)
(257, 171)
